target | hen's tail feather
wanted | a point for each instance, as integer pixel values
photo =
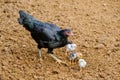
(26, 20)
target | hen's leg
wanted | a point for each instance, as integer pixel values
(54, 57)
(40, 53)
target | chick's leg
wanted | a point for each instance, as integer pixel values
(66, 53)
(70, 62)
(74, 61)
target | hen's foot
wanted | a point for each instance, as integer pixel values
(40, 54)
(57, 59)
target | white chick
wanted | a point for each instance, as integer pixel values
(82, 63)
(70, 47)
(72, 56)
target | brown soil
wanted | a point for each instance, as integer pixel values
(95, 23)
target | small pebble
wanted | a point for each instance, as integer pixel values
(24, 46)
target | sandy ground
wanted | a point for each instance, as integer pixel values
(95, 23)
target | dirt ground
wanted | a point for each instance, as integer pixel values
(95, 23)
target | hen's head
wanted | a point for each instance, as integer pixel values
(67, 32)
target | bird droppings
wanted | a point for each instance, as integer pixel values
(94, 22)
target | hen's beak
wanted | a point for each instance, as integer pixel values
(69, 33)
(72, 34)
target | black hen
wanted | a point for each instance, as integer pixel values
(46, 35)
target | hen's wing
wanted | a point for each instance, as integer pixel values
(47, 31)
(52, 26)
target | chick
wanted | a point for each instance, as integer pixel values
(70, 47)
(72, 57)
(82, 63)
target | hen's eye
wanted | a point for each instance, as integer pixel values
(68, 32)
